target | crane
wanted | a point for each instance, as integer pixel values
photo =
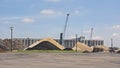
(66, 22)
(62, 35)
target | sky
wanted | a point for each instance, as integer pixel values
(46, 18)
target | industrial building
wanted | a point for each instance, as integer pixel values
(67, 43)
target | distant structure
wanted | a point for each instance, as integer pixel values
(91, 34)
(68, 43)
(62, 35)
(91, 43)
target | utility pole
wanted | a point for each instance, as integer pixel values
(28, 39)
(111, 43)
(91, 36)
(112, 48)
(76, 42)
(11, 28)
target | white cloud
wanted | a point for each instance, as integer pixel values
(76, 12)
(47, 12)
(9, 18)
(53, 0)
(71, 37)
(115, 35)
(28, 20)
(50, 12)
(87, 31)
(5, 22)
(116, 27)
(97, 38)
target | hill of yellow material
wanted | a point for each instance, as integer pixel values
(82, 47)
(47, 41)
(105, 48)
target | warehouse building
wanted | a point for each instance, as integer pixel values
(67, 43)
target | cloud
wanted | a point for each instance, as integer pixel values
(76, 12)
(87, 31)
(28, 20)
(116, 27)
(5, 22)
(97, 38)
(50, 12)
(53, 0)
(71, 37)
(116, 35)
(10, 18)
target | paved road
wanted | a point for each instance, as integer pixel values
(59, 60)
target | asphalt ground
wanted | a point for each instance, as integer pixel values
(59, 60)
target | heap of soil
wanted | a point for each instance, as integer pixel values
(82, 47)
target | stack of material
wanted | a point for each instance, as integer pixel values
(45, 44)
(82, 47)
(100, 48)
(118, 51)
(2, 48)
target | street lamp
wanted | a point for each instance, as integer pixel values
(76, 42)
(11, 28)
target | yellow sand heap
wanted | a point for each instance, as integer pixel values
(104, 48)
(45, 44)
(82, 47)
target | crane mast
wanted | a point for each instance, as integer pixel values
(65, 25)
(62, 35)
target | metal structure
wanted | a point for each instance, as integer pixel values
(66, 22)
(28, 39)
(111, 43)
(112, 47)
(61, 38)
(11, 28)
(91, 37)
(76, 42)
(91, 34)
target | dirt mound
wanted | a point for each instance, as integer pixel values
(82, 47)
(45, 44)
(100, 48)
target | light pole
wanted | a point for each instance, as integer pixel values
(76, 42)
(112, 49)
(91, 42)
(11, 28)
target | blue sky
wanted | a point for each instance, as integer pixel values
(46, 18)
